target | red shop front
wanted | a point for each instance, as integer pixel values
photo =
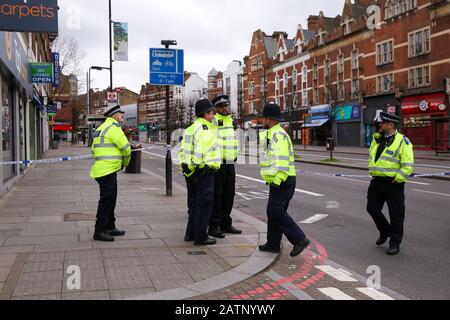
(418, 113)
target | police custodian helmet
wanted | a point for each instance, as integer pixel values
(203, 106)
(272, 111)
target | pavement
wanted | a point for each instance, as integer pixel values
(46, 228)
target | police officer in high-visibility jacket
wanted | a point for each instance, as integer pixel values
(225, 179)
(199, 160)
(390, 164)
(112, 152)
(278, 171)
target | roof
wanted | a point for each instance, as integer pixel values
(212, 73)
(271, 46)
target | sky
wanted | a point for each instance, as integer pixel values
(212, 33)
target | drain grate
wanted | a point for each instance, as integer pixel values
(79, 216)
(196, 253)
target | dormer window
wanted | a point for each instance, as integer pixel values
(398, 7)
(321, 37)
(347, 26)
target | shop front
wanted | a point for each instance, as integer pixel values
(348, 125)
(293, 122)
(318, 124)
(419, 113)
(371, 110)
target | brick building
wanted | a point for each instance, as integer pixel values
(215, 84)
(337, 75)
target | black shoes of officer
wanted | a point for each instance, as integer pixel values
(266, 248)
(299, 247)
(207, 242)
(231, 230)
(216, 233)
(381, 240)
(188, 238)
(103, 236)
(116, 233)
(393, 250)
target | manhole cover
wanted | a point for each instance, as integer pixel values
(79, 216)
(196, 253)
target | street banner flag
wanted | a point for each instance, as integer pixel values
(120, 41)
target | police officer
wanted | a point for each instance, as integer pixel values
(112, 153)
(390, 164)
(225, 179)
(278, 171)
(200, 160)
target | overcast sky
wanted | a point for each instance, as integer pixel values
(212, 33)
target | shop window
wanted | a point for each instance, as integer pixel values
(7, 129)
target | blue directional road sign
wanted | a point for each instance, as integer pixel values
(166, 67)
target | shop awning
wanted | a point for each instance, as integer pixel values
(432, 103)
(62, 127)
(316, 123)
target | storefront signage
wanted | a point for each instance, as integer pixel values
(15, 58)
(424, 104)
(29, 16)
(41, 72)
(320, 112)
(345, 113)
(56, 70)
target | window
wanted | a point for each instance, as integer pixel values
(398, 7)
(341, 91)
(285, 80)
(277, 83)
(347, 27)
(7, 129)
(327, 68)
(227, 88)
(321, 37)
(251, 88)
(327, 94)
(355, 88)
(419, 42)
(304, 97)
(304, 74)
(419, 77)
(385, 82)
(252, 107)
(341, 63)
(294, 77)
(355, 59)
(385, 52)
(316, 71)
(262, 85)
(316, 96)
(294, 100)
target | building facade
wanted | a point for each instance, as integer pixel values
(23, 114)
(232, 87)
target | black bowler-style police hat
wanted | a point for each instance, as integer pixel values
(386, 117)
(218, 101)
(272, 111)
(203, 106)
(113, 111)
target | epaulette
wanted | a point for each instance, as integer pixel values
(205, 127)
(406, 140)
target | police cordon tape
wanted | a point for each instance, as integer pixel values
(90, 156)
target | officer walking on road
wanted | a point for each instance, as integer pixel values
(391, 163)
(278, 170)
(199, 160)
(112, 152)
(225, 179)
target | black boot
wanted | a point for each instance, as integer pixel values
(299, 247)
(103, 236)
(266, 248)
(116, 233)
(216, 233)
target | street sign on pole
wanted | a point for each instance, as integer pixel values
(166, 67)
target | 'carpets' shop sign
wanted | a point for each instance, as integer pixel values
(29, 16)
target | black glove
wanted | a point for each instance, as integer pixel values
(186, 169)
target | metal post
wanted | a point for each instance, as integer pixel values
(168, 156)
(110, 49)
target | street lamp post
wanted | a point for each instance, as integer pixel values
(110, 49)
(167, 44)
(88, 94)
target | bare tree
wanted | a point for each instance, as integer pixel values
(71, 62)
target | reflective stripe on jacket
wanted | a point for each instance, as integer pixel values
(396, 161)
(226, 137)
(111, 149)
(199, 147)
(277, 155)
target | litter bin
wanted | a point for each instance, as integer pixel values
(330, 144)
(135, 162)
(55, 144)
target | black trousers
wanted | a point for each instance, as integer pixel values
(200, 205)
(224, 192)
(107, 204)
(279, 221)
(384, 191)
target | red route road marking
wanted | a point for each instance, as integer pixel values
(305, 269)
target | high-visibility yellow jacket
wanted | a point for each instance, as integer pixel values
(277, 155)
(226, 137)
(111, 149)
(199, 147)
(396, 161)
